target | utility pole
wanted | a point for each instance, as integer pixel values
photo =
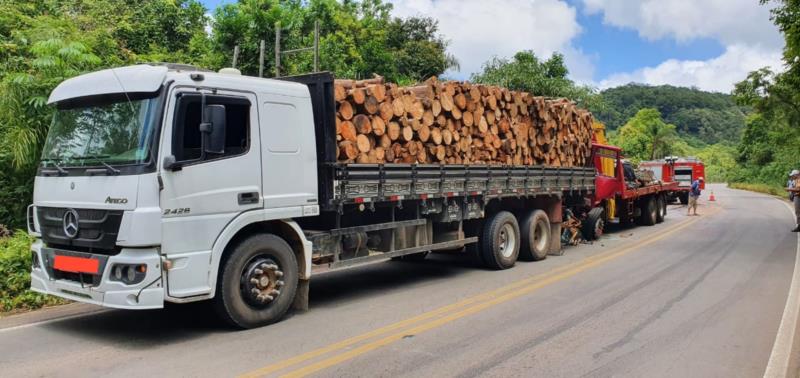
(278, 49)
(261, 59)
(235, 55)
(316, 45)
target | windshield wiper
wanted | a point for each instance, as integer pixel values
(111, 169)
(108, 168)
(61, 171)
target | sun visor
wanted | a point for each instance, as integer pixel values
(141, 78)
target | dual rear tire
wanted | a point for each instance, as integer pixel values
(650, 210)
(499, 241)
(535, 236)
(661, 203)
(503, 240)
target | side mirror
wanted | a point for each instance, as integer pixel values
(213, 129)
(170, 164)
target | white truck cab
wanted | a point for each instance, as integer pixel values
(150, 172)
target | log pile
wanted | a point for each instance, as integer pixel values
(457, 123)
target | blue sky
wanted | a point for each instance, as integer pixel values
(615, 49)
(709, 44)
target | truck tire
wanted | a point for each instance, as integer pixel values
(684, 198)
(649, 211)
(662, 209)
(594, 224)
(257, 282)
(535, 236)
(499, 242)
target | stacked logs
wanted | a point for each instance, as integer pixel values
(457, 123)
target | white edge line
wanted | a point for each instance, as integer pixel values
(49, 321)
(779, 359)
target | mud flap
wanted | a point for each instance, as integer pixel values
(555, 239)
(301, 296)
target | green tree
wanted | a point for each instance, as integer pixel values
(45, 42)
(771, 140)
(525, 72)
(646, 136)
(357, 39)
(710, 117)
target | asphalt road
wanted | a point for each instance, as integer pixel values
(694, 296)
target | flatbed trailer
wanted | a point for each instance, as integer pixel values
(371, 212)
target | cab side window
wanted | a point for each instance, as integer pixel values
(187, 138)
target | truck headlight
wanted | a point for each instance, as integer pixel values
(128, 274)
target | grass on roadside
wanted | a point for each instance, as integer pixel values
(15, 266)
(760, 188)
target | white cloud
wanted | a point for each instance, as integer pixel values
(209, 23)
(743, 27)
(717, 74)
(479, 30)
(728, 21)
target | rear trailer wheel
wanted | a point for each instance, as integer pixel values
(257, 282)
(500, 241)
(535, 236)
(684, 198)
(661, 204)
(594, 224)
(649, 212)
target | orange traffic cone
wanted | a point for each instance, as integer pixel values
(711, 197)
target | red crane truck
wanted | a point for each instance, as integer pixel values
(619, 197)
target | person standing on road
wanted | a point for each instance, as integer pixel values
(694, 194)
(793, 189)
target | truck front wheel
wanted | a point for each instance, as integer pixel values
(535, 232)
(500, 241)
(594, 224)
(257, 282)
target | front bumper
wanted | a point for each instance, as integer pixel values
(147, 294)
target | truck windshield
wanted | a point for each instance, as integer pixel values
(97, 134)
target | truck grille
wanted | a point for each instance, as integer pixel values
(97, 231)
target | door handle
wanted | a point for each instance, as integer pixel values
(248, 198)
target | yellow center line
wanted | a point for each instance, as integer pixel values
(437, 317)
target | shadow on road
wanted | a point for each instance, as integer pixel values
(333, 288)
(177, 323)
(142, 329)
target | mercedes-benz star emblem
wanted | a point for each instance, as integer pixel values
(71, 225)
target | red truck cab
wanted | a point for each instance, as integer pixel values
(619, 197)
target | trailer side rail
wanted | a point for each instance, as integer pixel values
(364, 183)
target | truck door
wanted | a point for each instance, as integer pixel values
(204, 191)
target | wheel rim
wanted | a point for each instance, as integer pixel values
(539, 238)
(598, 228)
(507, 240)
(261, 281)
